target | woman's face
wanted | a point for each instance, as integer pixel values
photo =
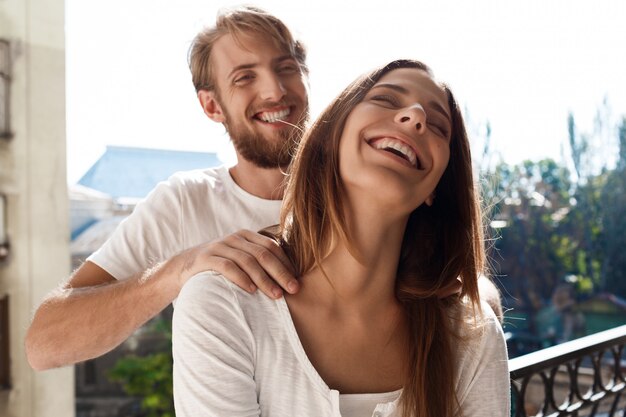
(395, 145)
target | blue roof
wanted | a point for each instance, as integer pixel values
(134, 172)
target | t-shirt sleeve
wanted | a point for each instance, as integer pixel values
(213, 352)
(484, 384)
(151, 234)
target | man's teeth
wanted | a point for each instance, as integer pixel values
(271, 117)
(399, 146)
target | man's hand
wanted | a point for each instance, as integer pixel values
(248, 259)
(487, 290)
(489, 293)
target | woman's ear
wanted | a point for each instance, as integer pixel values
(210, 106)
(430, 199)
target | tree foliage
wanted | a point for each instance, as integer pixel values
(561, 224)
(149, 377)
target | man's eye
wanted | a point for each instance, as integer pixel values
(288, 69)
(385, 99)
(243, 79)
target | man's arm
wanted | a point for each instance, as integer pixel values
(93, 313)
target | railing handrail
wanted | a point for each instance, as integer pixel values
(548, 357)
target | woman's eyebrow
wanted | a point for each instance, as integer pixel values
(395, 87)
(436, 106)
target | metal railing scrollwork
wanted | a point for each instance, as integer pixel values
(583, 377)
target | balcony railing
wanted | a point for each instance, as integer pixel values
(584, 377)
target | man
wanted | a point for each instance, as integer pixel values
(250, 75)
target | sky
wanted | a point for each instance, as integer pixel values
(521, 66)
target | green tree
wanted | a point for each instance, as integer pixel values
(613, 203)
(532, 198)
(149, 377)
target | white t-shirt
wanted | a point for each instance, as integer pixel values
(188, 209)
(240, 355)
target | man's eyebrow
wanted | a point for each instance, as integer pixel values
(433, 104)
(275, 61)
(241, 67)
(282, 59)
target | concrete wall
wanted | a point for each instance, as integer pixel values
(32, 175)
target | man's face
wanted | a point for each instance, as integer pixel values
(262, 93)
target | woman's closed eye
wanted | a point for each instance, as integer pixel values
(438, 129)
(385, 98)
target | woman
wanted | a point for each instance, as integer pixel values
(380, 216)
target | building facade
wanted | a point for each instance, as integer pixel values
(33, 191)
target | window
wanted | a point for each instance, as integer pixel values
(5, 365)
(5, 80)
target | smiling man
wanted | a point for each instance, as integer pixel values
(250, 75)
(260, 96)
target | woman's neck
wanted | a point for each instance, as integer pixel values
(348, 315)
(360, 278)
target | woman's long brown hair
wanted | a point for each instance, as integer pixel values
(441, 242)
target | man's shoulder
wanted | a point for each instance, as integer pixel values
(197, 188)
(207, 177)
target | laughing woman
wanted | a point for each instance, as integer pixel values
(380, 216)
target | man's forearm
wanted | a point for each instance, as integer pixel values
(76, 324)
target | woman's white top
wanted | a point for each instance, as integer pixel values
(238, 354)
(358, 405)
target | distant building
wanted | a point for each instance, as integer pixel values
(131, 173)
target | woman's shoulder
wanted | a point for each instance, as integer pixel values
(212, 295)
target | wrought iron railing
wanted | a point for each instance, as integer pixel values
(584, 377)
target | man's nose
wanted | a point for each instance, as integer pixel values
(272, 89)
(413, 116)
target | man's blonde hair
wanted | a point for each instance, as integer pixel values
(236, 22)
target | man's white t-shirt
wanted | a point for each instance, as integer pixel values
(240, 355)
(188, 209)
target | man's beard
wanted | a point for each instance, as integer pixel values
(263, 152)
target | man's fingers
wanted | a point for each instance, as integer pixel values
(231, 270)
(249, 259)
(243, 269)
(258, 273)
(266, 255)
(267, 243)
(276, 269)
(452, 289)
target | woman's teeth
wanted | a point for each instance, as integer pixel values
(397, 147)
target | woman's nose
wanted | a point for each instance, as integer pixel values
(412, 115)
